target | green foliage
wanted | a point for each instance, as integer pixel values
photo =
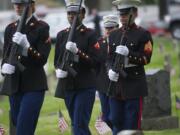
(50, 63)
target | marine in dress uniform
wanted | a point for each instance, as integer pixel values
(34, 40)
(126, 100)
(79, 91)
(110, 23)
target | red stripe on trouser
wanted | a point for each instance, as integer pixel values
(140, 112)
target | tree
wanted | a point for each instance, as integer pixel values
(91, 4)
(99, 4)
(163, 8)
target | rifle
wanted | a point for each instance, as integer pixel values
(10, 84)
(60, 89)
(66, 56)
(118, 64)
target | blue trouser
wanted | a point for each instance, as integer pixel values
(104, 99)
(80, 105)
(25, 109)
(125, 114)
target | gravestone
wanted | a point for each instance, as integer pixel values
(1, 112)
(179, 56)
(161, 48)
(157, 105)
(167, 63)
(1, 97)
(175, 45)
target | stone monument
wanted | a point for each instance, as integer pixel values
(157, 105)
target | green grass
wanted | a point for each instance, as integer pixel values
(48, 120)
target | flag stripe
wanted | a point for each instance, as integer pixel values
(2, 131)
(101, 126)
(62, 124)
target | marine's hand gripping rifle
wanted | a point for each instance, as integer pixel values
(66, 56)
(15, 49)
(11, 82)
(118, 64)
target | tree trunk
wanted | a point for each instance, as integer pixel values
(163, 8)
(92, 4)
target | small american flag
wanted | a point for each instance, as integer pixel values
(63, 126)
(101, 127)
(2, 131)
(177, 102)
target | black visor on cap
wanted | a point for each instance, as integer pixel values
(76, 9)
(126, 11)
(22, 1)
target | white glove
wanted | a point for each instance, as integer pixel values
(21, 40)
(61, 73)
(123, 50)
(8, 69)
(113, 76)
(72, 47)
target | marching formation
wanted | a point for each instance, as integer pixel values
(113, 65)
